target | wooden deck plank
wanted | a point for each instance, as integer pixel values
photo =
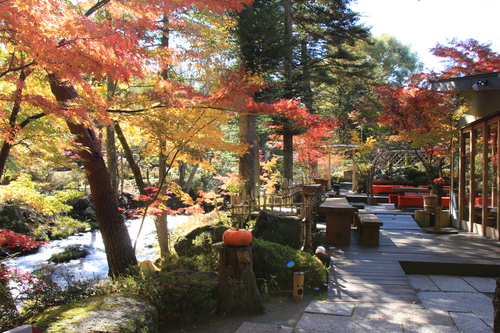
(373, 274)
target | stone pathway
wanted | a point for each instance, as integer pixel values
(370, 292)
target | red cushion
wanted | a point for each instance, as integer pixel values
(384, 188)
(411, 200)
(393, 198)
(479, 201)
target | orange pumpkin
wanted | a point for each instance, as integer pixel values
(237, 237)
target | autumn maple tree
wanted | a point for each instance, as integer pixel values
(467, 57)
(74, 47)
(425, 118)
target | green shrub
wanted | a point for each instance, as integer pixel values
(179, 296)
(204, 262)
(8, 310)
(39, 290)
(278, 261)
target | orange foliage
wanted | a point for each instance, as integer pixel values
(467, 57)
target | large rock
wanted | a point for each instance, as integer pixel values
(284, 230)
(207, 235)
(124, 313)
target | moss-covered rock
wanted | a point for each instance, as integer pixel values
(199, 240)
(70, 253)
(124, 313)
(284, 230)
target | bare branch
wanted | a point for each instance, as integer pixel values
(2, 74)
(96, 7)
(30, 118)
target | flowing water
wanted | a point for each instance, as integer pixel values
(95, 264)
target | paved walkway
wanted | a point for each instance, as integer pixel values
(403, 285)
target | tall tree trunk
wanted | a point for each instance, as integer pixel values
(248, 161)
(287, 154)
(136, 171)
(161, 220)
(112, 157)
(288, 63)
(119, 251)
(111, 153)
(288, 74)
(7, 144)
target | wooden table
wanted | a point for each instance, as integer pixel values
(339, 217)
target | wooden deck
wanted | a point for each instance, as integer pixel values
(377, 274)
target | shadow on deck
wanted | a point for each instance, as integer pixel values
(377, 274)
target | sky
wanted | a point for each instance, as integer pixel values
(424, 23)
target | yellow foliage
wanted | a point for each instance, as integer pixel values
(24, 191)
(270, 175)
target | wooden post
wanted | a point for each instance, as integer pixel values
(437, 221)
(238, 292)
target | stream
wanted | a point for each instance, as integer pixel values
(94, 265)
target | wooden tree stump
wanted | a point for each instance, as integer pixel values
(238, 292)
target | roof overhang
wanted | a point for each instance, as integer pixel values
(489, 81)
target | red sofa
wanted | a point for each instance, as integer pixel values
(405, 201)
(479, 201)
(384, 188)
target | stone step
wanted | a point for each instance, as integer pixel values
(323, 316)
(247, 327)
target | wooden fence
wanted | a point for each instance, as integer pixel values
(287, 200)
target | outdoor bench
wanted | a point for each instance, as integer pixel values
(393, 198)
(369, 228)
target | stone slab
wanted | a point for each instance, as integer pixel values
(403, 314)
(470, 323)
(318, 323)
(477, 303)
(247, 327)
(331, 308)
(422, 282)
(451, 283)
(481, 284)
(429, 328)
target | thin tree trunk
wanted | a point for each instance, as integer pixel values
(136, 170)
(189, 183)
(119, 251)
(161, 220)
(248, 161)
(182, 173)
